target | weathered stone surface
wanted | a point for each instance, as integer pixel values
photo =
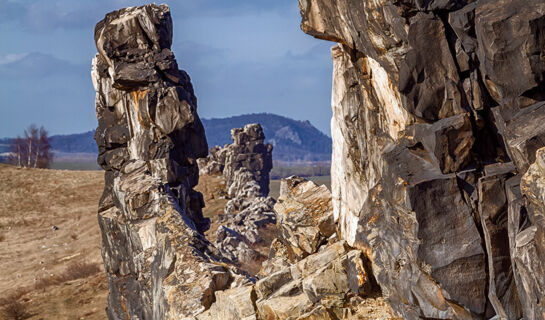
(241, 231)
(235, 304)
(245, 165)
(493, 210)
(304, 215)
(330, 281)
(159, 264)
(314, 287)
(248, 151)
(214, 163)
(436, 106)
(528, 239)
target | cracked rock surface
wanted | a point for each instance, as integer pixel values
(159, 264)
(438, 110)
(245, 165)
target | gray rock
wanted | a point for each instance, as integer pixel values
(304, 215)
(158, 263)
(436, 106)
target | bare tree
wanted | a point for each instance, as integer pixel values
(33, 150)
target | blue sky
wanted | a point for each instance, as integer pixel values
(243, 57)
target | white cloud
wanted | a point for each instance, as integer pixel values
(11, 57)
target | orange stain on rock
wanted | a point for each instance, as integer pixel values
(137, 96)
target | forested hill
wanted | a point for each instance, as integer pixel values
(292, 140)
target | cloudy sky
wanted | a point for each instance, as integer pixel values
(243, 56)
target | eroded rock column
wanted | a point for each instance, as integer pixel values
(159, 265)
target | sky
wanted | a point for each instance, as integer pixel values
(243, 56)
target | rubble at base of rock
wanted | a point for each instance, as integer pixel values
(305, 277)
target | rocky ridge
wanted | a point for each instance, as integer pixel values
(245, 165)
(310, 274)
(437, 171)
(438, 111)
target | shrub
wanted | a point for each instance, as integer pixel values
(79, 270)
(14, 310)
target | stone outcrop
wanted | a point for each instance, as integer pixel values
(438, 111)
(214, 163)
(304, 215)
(159, 264)
(245, 165)
(308, 275)
(248, 151)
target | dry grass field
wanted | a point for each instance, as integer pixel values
(50, 244)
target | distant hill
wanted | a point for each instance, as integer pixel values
(292, 140)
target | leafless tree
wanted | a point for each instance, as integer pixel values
(33, 150)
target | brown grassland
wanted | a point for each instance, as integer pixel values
(50, 244)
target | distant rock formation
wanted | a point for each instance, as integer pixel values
(438, 111)
(293, 140)
(159, 264)
(245, 165)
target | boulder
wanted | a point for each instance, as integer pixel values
(304, 215)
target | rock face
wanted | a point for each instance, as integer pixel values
(438, 110)
(309, 275)
(248, 151)
(149, 137)
(304, 215)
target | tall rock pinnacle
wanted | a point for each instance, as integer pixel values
(159, 265)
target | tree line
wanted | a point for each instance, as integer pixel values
(33, 150)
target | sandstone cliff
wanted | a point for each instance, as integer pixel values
(438, 110)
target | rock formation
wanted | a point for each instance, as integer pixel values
(438, 111)
(438, 171)
(245, 165)
(159, 264)
(309, 275)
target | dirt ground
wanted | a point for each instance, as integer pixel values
(49, 230)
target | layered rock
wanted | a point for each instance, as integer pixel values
(304, 215)
(308, 275)
(245, 165)
(214, 163)
(437, 113)
(159, 264)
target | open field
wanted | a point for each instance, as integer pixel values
(74, 165)
(50, 243)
